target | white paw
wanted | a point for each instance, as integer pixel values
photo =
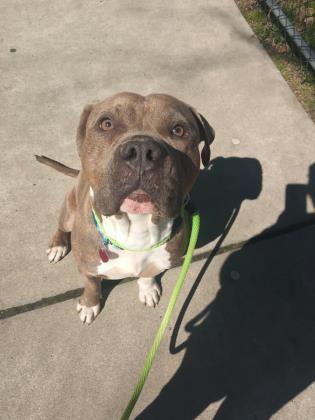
(88, 313)
(56, 253)
(149, 293)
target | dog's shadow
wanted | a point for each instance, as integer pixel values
(220, 190)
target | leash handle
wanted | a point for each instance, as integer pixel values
(167, 316)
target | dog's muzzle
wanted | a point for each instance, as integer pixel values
(143, 177)
(144, 157)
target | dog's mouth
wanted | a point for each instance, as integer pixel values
(137, 202)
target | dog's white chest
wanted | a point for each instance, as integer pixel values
(135, 232)
(132, 264)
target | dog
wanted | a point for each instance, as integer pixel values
(124, 217)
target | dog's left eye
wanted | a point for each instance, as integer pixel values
(178, 130)
(106, 124)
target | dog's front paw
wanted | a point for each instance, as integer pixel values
(59, 246)
(149, 291)
(88, 313)
(56, 253)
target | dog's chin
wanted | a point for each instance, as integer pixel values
(138, 202)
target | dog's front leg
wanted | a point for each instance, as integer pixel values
(60, 244)
(149, 291)
(89, 304)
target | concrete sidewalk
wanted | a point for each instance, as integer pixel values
(249, 346)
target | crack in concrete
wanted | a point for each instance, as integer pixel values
(74, 293)
(42, 303)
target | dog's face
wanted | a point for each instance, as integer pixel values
(140, 154)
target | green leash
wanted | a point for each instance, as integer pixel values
(158, 338)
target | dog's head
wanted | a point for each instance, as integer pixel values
(140, 154)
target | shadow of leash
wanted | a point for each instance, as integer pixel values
(176, 349)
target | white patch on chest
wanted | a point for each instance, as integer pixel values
(135, 231)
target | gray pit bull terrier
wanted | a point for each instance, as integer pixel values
(140, 158)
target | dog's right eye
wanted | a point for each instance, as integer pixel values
(178, 131)
(106, 124)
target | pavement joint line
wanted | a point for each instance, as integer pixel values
(275, 233)
(42, 303)
(74, 293)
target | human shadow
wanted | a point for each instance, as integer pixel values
(253, 346)
(220, 190)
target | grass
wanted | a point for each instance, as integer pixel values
(300, 79)
(302, 13)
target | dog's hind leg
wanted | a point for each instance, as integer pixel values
(60, 245)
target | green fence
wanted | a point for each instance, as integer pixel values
(296, 19)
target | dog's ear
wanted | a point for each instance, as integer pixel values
(81, 131)
(207, 135)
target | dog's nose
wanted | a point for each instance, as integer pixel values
(142, 153)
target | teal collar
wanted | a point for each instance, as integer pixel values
(107, 240)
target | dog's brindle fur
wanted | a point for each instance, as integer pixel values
(106, 178)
